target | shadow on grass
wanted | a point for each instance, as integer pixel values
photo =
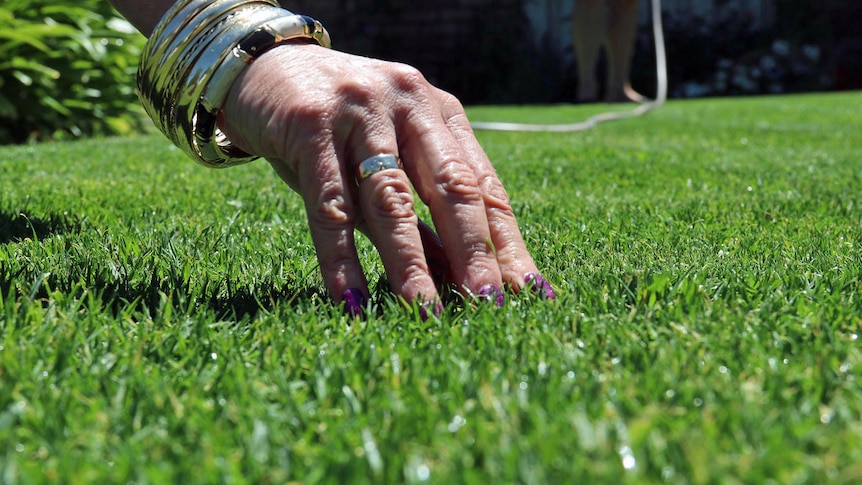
(243, 303)
(219, 298)
(154, 298)
(121, 293)
(18, 226)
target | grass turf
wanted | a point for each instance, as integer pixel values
(164, 322)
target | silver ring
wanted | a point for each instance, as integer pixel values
(377, 163)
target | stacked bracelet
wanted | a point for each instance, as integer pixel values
(192, 59)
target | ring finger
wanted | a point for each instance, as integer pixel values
(386, 202)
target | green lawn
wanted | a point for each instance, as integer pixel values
(162, 322)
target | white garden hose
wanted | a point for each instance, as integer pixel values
(643, 108)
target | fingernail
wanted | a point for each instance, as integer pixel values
(539, 285)
(354, 302)
(423, 310)
(493, 293)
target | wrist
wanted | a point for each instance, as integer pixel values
(196, 53)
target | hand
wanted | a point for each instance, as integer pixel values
(316, 114)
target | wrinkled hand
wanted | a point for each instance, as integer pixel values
(316, 114)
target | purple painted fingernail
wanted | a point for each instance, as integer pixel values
(493, 293)
(354, 302)
(539, 285)
(424, 313)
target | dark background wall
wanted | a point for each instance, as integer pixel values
(478, 49)
(486, 51)
(69, 65)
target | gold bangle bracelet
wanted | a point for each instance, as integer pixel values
(172, 42)
(188, 83)
(193, 58)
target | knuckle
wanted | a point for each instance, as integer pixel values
(335, 262)
(416, 272)
(413, 275)
(475, 249)
(358, 92)
(451, 104)
(453, 111)
(331, 209)
(449, 100)
(495, 195)
(459, 122)
(456, 179)
(392, 198)
(408, 79)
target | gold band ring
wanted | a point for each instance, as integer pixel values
(377, 163)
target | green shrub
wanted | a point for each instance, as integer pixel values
(67, 69)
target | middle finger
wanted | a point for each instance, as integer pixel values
(384, 193)
(447, 182)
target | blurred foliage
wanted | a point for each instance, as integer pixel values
(67, 70)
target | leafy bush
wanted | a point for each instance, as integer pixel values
(67, 69)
